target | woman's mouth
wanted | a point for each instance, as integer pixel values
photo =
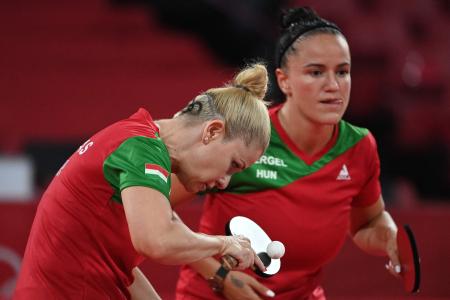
(335, 101)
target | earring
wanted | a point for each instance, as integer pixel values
(206, 140)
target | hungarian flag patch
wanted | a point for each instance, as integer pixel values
(157, 170)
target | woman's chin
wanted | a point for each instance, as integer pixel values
(331, 119)
(195, 188)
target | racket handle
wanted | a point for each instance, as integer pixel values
(229, 262)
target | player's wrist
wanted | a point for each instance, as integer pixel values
(224, 244)
(217, 281)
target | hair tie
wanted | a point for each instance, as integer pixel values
(242, 87)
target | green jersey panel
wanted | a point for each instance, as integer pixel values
(279, 166)
(126, 166)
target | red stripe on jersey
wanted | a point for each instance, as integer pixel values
(158, 168)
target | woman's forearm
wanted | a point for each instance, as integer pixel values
(206, 267)
(180, 245)
(157, 232)
(374, 236)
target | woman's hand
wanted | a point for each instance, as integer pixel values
(375, 232)
(238, 285)
(394, 266)
(240, 249)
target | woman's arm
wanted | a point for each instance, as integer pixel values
(178, 193)
(141, 288)
(157, 233)
(375, 232)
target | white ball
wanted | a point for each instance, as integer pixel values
(275, 249)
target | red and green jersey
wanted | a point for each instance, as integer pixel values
(80, 246)
(301, 201)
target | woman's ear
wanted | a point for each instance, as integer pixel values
(214, 129)
(283, 81)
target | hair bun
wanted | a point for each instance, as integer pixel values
(253, 79)
(296, 22)
(298, 15)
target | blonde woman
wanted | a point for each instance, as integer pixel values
(107, 208)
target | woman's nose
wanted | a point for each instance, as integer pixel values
(332, 83)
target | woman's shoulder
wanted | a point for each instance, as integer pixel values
(359, 135)
(346, 128)
(356, 135)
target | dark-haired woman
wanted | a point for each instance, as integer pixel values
(317, 182)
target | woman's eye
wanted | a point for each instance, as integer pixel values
(315, 73)
(343, 73)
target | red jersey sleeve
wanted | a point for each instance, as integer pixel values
(371, 190)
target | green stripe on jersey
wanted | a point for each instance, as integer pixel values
(279, 166)
(126, 166)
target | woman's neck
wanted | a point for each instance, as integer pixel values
(178, 138)
(309, 137)
(168, 134)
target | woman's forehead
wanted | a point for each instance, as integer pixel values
(321, 49)
(322, 45)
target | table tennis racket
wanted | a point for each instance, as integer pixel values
(259, 241)
(409, 259)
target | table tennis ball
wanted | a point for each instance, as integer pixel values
(275, 249)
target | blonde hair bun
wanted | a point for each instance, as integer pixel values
(239, 103)
(253, 78)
